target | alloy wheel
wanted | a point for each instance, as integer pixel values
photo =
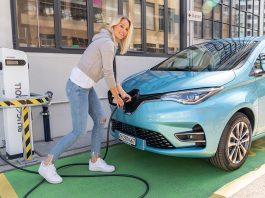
(238, 142)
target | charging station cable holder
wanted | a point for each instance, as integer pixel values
(24, 103)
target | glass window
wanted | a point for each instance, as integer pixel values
(74, 23)
(243, 4)
(225, 31)
(249, 32)
(197, 29)
(242, 18)
(226, 2)
(235, 17)
(242, 32)
(217, 13)
(154, 31)
(235, 3)
(217, 30)
(208, 56)
(262, 59)
(260, 62)
(257, 64)
(256, 6)
(249, 21)
(250, 6)
(161, 18)
(150, 16)
(226, 14)
(235, 31)
(207, 29)
(173, 26)
(35, 23)
(104, 11)
(197, 5)
(207, 14)
(132, 9)
(256, 23)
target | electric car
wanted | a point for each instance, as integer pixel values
(206, 101)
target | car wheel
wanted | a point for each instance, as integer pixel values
(234, 144)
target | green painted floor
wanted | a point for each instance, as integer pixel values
(169, 177)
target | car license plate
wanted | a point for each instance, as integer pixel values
(127, 139)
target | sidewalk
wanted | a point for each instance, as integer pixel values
(251, 184)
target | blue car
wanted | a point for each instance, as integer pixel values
(206, 101)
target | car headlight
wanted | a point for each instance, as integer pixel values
(193, 96)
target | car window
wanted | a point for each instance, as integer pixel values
(216, 55)
(262, 60)
(257, 64)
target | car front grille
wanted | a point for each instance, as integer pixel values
(152, 138)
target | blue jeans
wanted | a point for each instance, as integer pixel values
(82, 102)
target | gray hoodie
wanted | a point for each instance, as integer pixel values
(97, 60)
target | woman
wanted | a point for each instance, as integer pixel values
(95, 63)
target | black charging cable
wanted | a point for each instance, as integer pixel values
(82, 164)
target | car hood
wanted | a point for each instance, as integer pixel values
(151, 82)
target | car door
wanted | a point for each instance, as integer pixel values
(260, 83)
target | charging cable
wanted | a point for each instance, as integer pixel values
(83, 164)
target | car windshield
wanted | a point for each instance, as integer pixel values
(217, 55)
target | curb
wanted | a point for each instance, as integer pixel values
(238, 184)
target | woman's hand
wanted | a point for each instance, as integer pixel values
(116, 96)
(126, 97)
(119, 101)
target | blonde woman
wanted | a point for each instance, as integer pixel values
(95, 63)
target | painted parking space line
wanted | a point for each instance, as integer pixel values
(235, 186)
(6, 190)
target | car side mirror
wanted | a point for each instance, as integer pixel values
(258, 72)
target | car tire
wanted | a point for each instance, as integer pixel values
(234, 144)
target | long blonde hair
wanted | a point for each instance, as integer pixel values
(125, 42)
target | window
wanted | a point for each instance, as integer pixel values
(173, 26)
(262, 59)
(154, 17)
(150, 15)
(78, 20)
(104, 11)
(132, 9)
(35, 23)
(74, 24)
(256, 6)
(161, 18)
(217, 30)
(207, 29)
(216, 17)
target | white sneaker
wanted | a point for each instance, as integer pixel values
(101, 165)
(49, 173)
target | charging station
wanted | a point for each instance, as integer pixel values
(14, 83)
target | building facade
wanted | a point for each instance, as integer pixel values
(54, 33)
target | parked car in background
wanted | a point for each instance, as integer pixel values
(205, 101)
